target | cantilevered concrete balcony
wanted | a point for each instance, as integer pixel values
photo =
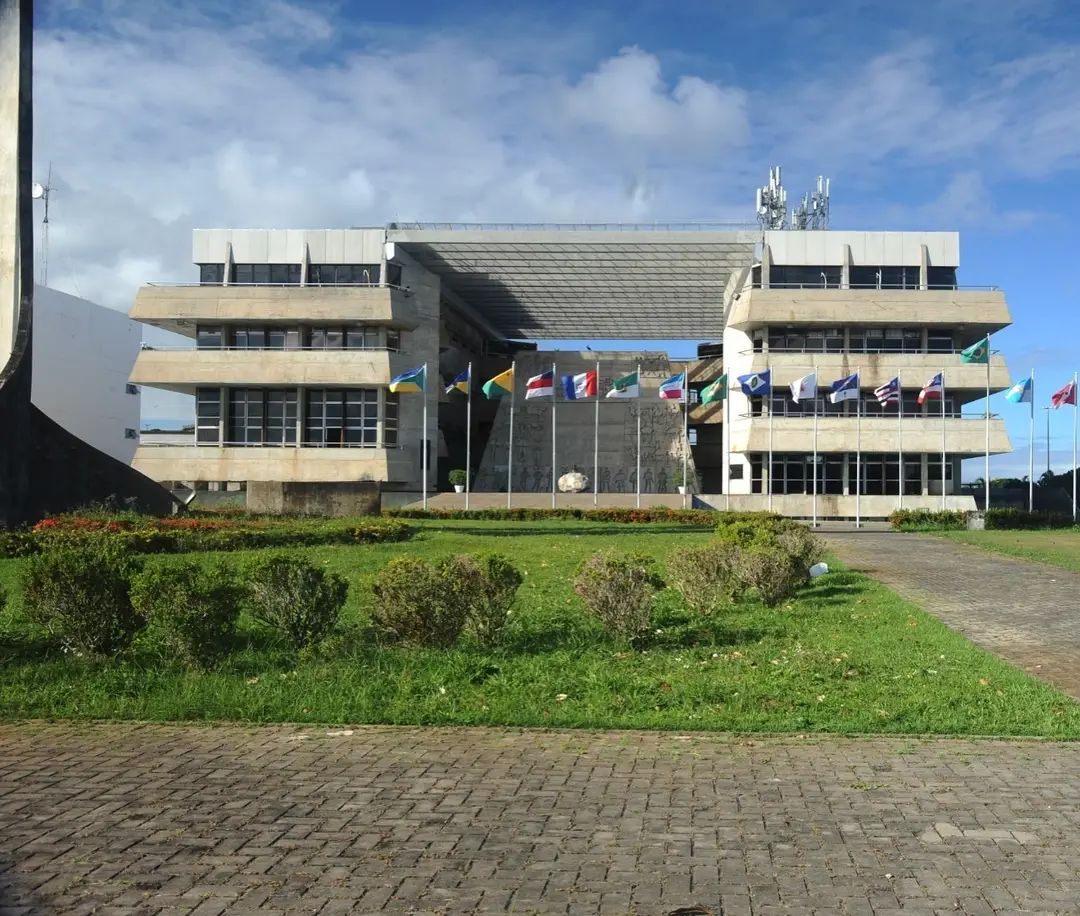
(979, 310)
(179, 307)
(318, 465)
(963, 436)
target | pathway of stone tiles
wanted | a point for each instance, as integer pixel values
(156, 820)
(1025, 612)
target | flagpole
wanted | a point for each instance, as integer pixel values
(686, 432)
(727, 443)
(1076, 411)
(554, 470)
(510, 454)
(988, 354)
(767, 369)
(815, 449)
(637, 499)
(944, 430)
(900, 441)
(424, 446)
(596, 442)
(468, 439)
(1031, 449)
(858, 449)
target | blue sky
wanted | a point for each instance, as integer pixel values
(929, 114)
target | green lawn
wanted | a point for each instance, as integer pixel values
(1058, 548)
(846, 656)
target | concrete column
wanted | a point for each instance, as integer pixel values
(223, 415)
(845, 269)
(924, 264)
(766, 264)
(299, 417)
(848, 477)
(228, 263)
(305, 263)
(925, 471)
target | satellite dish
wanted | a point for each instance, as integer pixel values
(37, 190)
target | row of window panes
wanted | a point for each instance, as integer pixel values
(351, 337)
(268, 416)
(783, 405)
(793, 473)
(859, 277)
(860, 340)
(289, 274)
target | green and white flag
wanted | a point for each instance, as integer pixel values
(625, 387)
(716, 391)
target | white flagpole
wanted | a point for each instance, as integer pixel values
(900, 441)
(554, 469)
(468, 440)
(988, 354)
(637, 500)
(770, 435)
(510, 454)
(685, 433)
(1076, 411)
(944, 429)
(1031, 449)
(424, 438)
(858, 449)
(727, 443)
(815, 447)
(596, 443)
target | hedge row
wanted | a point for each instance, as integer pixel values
(703, 517)
(994, 519)
(149, 536)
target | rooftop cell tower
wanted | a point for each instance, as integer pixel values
(772, 203)
(811, 213)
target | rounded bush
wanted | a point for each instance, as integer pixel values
(619, 589)
(293, 595)
(421, 604)
(706, 577)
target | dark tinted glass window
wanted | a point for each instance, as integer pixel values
(211, 273)
(208, 338)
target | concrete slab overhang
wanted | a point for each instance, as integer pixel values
(317, 465)
(629, 282)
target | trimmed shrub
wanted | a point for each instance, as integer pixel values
(293, 595)
(1025, 520)
(421, 604)
(699, 517)
(928, 520)
(81, 596)
(706, 577)
(619, 589)
(770, 571)
(457, 477)
(489, 583)
(195, 606)
(803, 546)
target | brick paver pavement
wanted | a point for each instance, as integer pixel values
(129, 819)
(1024, 612)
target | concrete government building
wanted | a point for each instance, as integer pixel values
(296, 334)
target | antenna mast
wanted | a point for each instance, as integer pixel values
(772, 202)
(41, 192)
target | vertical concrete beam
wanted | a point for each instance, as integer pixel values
(924, 267)
(766, 264)
(228, 264)
(16, 257)
(845, 269)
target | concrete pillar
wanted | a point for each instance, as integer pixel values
(300, 415)
(848, 477)
(766, 264)
(305, 263)
(845, 269)
(228, 263)
(925, 472)
(924, 264)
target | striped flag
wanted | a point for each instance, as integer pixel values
(889, 393)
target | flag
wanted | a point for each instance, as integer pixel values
(977, 352)
(846, 389)
(576, 387)
(1021, 392)
(1067, 395)
(932, 389)
(541, 386)
(804, 389)
(408, 382)
(626, 387)
(502, 384)
(889, 393)
(672, 389)
(461, 383)
(757, 383)
(715, 391)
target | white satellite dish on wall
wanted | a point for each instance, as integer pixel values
(37, 190)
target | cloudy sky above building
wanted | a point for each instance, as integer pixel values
(159, 116)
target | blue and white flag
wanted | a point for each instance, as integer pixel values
(674, 389)
(1021, 392)
(757, 383)
(846, 389)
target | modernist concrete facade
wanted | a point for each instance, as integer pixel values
(296, 334)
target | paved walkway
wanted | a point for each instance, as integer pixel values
(1024, 612)
(127, 819)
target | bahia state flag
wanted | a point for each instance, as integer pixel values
(1066, 395)
(501, 385)
(461, 383)
(757, 383)
(577, 387)
(541, 386)
(845, 389)
(933, 388)
(1022, 392)
(715, 391)
(408, 382)
(889, 393)
(626, 387)
(977, 353)
(804, 389)
(674, 388)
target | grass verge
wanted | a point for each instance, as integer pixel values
(1056, 548)
(846, 656)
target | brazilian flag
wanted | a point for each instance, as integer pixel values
(977, 352)
(717, 391)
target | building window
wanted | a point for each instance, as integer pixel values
(131, 389)
(362, 337)
(209, 338)
(941, 277)
(782, 405)
(208, 416)
(281, 407)
(249, 338)
(211, 274)
(390, 420)
(735, 472)
(130, 433)
(393, 274)
(798, 277)
(342, 417)
(393, 339)
(343, 275)
(938, 341)
(873, 277)
(246, 412)
(285, 274)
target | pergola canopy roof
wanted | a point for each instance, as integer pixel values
(615, 282)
